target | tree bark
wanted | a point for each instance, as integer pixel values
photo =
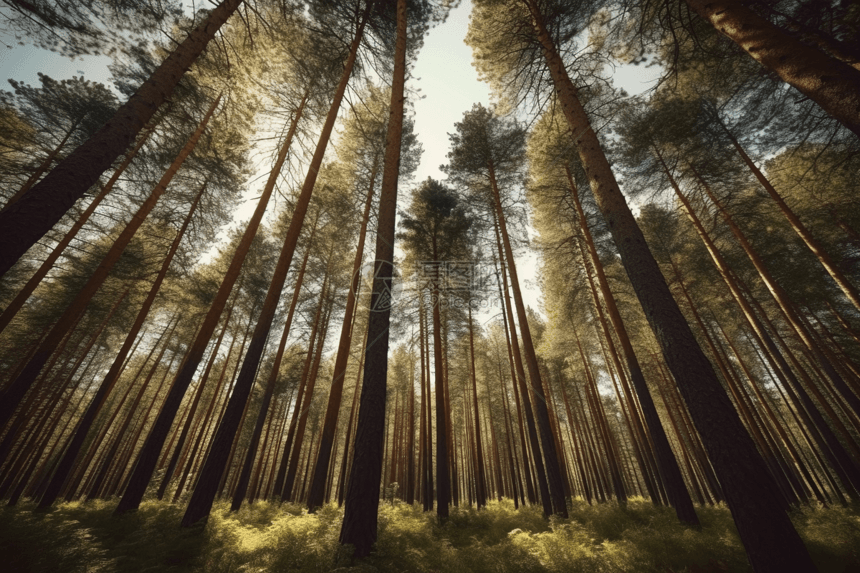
(204, 493)
(362, 498)
(832, 84)
(670, 473)
(148, 456)
(316, 494)
(555, 498)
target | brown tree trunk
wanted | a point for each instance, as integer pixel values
(553, 498)
(771, 542)
(669, 471)
(206, 489)
(362, 498)
(244, 477)
(443, 477)
(15, 305)
(65, 465)
(480, 478)
(832, 84)
(25, 222)
(292, 470)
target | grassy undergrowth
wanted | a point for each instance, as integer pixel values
(271, 537)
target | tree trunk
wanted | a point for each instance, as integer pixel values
(362, 498)
(670, 473)
(25, 222)
(242, 484)
(481, 479)
(554, 501)
(832, 84)
(15, 305)
(771, 542)
(42, 168)
(443, 477)
(204, 493)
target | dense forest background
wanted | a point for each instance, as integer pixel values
(237, 332)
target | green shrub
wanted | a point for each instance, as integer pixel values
(263, 537)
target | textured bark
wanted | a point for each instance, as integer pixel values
(16, 390)
(787, 306)
(832, 84)
(148, 456)
(25, 222)
(353, 413)
(771, 542)
(292, 470)
(242, 484)
(362, 498)
(177, 458)
(480, 477)
(443, 477)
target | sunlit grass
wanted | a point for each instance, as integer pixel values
(261, 537)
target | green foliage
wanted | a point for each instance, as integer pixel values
(273, 537)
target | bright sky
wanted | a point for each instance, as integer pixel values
(443, 72)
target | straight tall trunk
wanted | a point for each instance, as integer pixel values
(769, 537)
(18, 302)
(40, 170)
(555, 496)
(25, 222)
(670, 473)
(787, 306)
(362, 498)
(16, 390)
(480, 477)
(443, 477)
(244, 477)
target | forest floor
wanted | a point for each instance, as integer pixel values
(84, 537)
